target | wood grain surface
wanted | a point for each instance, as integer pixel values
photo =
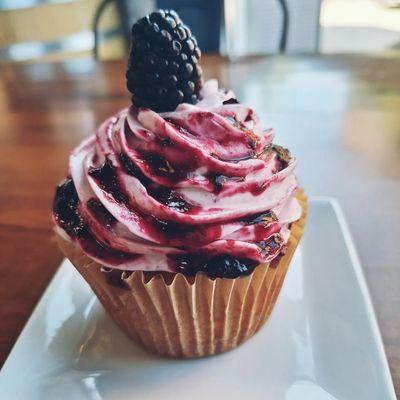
(340, 115)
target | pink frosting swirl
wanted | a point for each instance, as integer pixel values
(202, 180)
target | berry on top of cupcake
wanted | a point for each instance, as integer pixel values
(163, 69)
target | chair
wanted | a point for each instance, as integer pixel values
(128, 10)
(55, 30)
(263, 27)
(193, 12)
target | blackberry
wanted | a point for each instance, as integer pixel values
(163, 69)
(225, 266)
(65, 208)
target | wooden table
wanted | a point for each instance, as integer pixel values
(339, 114)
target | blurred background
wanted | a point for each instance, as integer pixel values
(59, 29)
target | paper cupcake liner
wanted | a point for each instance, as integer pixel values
(179, 316)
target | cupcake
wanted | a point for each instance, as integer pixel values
(180, 212)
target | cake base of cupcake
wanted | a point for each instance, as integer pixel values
(178, 316)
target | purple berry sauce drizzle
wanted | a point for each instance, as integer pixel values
(68, 216)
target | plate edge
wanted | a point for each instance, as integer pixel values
(60, 271)
(355, 260)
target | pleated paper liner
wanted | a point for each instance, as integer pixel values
(178, 316)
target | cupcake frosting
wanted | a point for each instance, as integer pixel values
(180, 191)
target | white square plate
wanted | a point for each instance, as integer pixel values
(321, 343)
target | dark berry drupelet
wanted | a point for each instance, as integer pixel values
(225, 266)
(163, 69)
(65, 208)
